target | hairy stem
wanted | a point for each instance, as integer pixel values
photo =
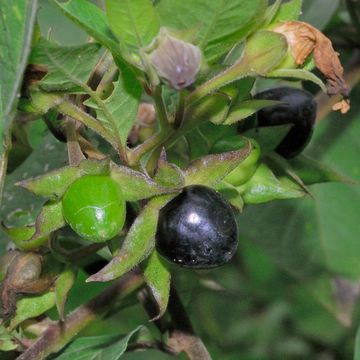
(58, 335)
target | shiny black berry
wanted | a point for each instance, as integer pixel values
(298, 108)
(197, 229)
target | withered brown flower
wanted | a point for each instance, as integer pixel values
(303, 40)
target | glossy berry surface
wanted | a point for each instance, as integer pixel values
(94, 207)
(298, 108)
(197, 229)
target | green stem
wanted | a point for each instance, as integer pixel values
(71, 110)
(161, 109)
(4, 158)
(179, 117)
(58, 335)
(165, 131)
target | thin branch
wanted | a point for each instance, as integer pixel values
(58, 335)
(182, 334)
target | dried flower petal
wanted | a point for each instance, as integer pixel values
(304, 39)
(176, 61)
(343, 106)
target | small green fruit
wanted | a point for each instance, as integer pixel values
(94, 207)
(246, 169)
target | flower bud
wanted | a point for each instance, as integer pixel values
(176, 61)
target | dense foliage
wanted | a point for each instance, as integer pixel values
(140, 135)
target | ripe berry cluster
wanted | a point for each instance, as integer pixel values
(196, 229)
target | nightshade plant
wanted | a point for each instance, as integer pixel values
(160, 100)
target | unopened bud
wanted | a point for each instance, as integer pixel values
(176, 61)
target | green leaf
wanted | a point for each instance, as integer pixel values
(263, 52)
(92, 19)
(49, 220)
(52, 184)
(300, 74)
(63, 285)
(264, 186)
(221, 23)
(109, 347)
(17, 19)
(69, 67)
(32, 306)
(7, 341)
(122, 105)
(211, 169)
(271, 12)
(247, 108)
(135, 185)
(138, 243)
(312, 171)
(168, 174)
(22, 237)
(268, 137)
(289, 11)
(55, 183)
(157, 277)
(20, 207)
(134, 22)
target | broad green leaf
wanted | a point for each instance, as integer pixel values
(55, 183)
(288, 11)
(312, 171)
(211, 169)
(17, 19)
(92, 19)
(32, 306)
(264, 186)
(300, 74)
(69, 67)
(134, 22)
(157, 277)
(22, 237)
(122, 105)
(221, 23)
(109, 347)
(20, 207)
(247, 108)
(268, 137)
(49, 220)
(263, 52)
(135, 185)
(138, 243)
(63, 285)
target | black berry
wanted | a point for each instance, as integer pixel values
(298, 108)
(197, 229)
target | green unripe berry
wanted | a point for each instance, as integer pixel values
(246, 169)
(94, 207)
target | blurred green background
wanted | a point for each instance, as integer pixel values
(292, 290)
